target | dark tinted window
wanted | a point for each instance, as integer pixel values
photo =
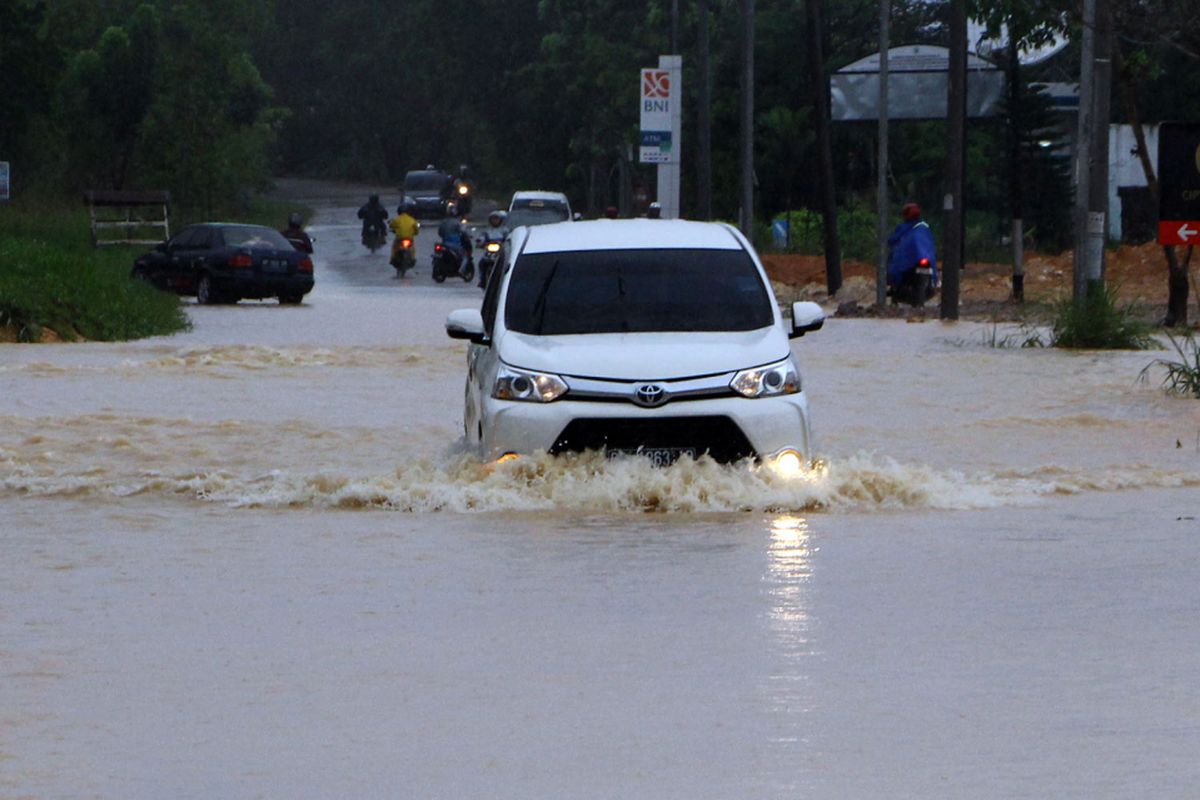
(202, 239)
(491, 298)
(535, 216)
(618, 291)
(425, 181)
(253, 236)
(182, 238)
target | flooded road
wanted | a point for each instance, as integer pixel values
(256, 560)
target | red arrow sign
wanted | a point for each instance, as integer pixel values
(1179, 232)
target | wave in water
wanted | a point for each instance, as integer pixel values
(590, 483)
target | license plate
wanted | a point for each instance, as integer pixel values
(658, 456)
(274, 265)
(924, 271)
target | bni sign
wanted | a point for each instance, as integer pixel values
(658, 96)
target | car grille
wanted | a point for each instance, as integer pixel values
(719, 437)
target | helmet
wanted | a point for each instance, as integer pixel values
(373, 199)
(294, 219)
(910, 211)
(430, 167)
(654, 210)
(495, 219)
(452, 209)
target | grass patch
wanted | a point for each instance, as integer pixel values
(1098, 322)
(51, 278)
(1183, 376)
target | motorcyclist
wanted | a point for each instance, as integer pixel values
(654, 211)
(454, 234)
(496, 231)
(374, 217)
(404, 226)
(295, 233)
(910, 244)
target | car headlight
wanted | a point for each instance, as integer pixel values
(770, 380)
(532, 387)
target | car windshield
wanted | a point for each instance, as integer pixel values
(424, 182)
(253, 236)
(636, 291)
(536, 216)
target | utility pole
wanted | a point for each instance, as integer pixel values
(956, 161)
(1016, 199)
(1088, 229)
(703, 119)
(881, 194)
(746, 219)
(829, 211)
(1101, 114)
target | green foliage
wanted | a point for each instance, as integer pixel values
(1097, 322)
(50, 278)
(1182, 376)
(856, 229)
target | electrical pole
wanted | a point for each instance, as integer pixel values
(1016, 165)
(746, 220)
(703, 119)
(1102, 112)
(674, 27)
(1083, 153)
(956, 161)
(881, 194)
(829, 210)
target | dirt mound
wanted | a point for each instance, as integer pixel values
(1139, 272)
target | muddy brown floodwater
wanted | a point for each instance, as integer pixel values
(256, 560)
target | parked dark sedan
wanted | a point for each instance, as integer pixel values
(222, 262)
(430, 190)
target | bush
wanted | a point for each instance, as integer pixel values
(52, 278)
(856, 230)
(1183, 376)
(1096, 322)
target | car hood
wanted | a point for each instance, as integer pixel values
(643, 356)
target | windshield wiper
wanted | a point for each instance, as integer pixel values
(539, 304)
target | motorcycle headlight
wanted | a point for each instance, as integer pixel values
(770, 380)
(463, 190)
(493, 247)
(531, 387)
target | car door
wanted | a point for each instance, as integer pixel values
(482, 358)
(174, 264)
(194, 257)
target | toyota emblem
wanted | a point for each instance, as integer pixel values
(649, 395)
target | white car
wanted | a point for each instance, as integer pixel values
(538, 208)
(653, 337)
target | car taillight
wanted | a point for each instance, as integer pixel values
(241, 260)
(438, 248)
(406, 242)
(306, 264)
(924, 262)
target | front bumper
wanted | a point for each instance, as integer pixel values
(768, 424)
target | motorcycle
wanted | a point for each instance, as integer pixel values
(373, 239)
(462, 197)
(404, 256)
(449, 261)
(916, 285)
(491, 251)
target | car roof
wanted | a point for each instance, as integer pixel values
(537, 194)
(631, 234)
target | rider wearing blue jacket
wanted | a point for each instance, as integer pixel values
(910, 242)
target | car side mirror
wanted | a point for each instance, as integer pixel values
(807, 317)
(466, 323)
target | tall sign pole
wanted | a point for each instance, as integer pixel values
(661, 122)
(881, 194)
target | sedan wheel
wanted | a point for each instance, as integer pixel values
(290, 299)
(204, 291)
